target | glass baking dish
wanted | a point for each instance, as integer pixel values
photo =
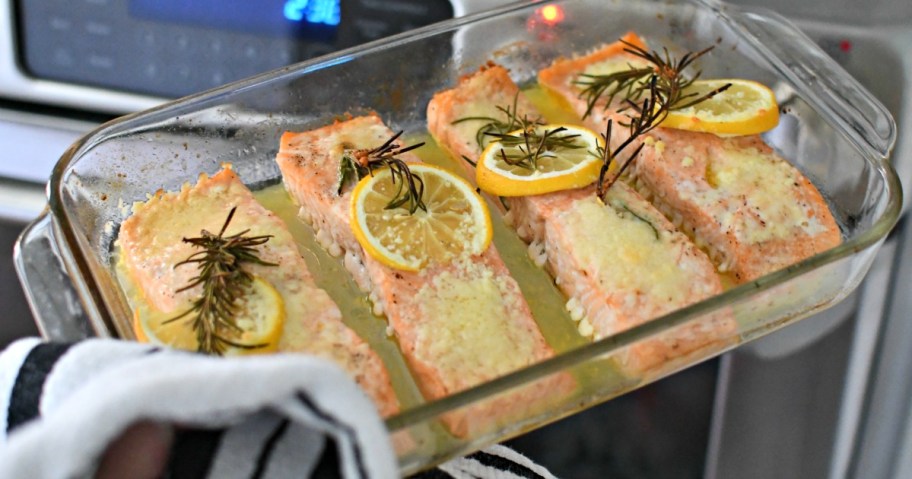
(831, 128)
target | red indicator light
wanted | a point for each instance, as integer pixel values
(845, 46)
(551, 14)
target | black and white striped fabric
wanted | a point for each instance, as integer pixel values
(264, 417)
(495, 461)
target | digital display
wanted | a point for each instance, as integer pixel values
(171, 48)
(282, 18)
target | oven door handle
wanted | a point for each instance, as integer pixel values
(46, 282)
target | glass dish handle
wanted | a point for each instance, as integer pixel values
(817, 76)
(46, 282)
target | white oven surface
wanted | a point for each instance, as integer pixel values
(31, 146)
(30, 151)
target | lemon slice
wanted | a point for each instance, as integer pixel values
(456, 222)
(746, 108)
(261, 319)
(555, 169)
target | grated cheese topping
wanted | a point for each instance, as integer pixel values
(623, 252)
(757, 192)
(466, 325)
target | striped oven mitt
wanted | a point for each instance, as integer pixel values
(106, 408)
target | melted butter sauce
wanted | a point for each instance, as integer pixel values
(551, 106)
(330, 275)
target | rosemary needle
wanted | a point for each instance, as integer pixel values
(530, 145)
(493, 126)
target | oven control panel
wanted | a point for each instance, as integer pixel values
(170, 48)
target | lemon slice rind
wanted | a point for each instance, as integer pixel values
(746, 108)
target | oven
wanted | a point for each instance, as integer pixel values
(827, 397)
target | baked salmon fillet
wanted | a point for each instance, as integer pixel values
(752, 211)
(620, 262)
(150, 245)
(458, 324)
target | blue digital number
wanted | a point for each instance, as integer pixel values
(294, 10)
(326, 12)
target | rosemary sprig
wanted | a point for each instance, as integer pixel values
(633, 82)
(357, 164)
(532, 145)
(663, 86)
(511, 121)
(648, 115)
(224, 280)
